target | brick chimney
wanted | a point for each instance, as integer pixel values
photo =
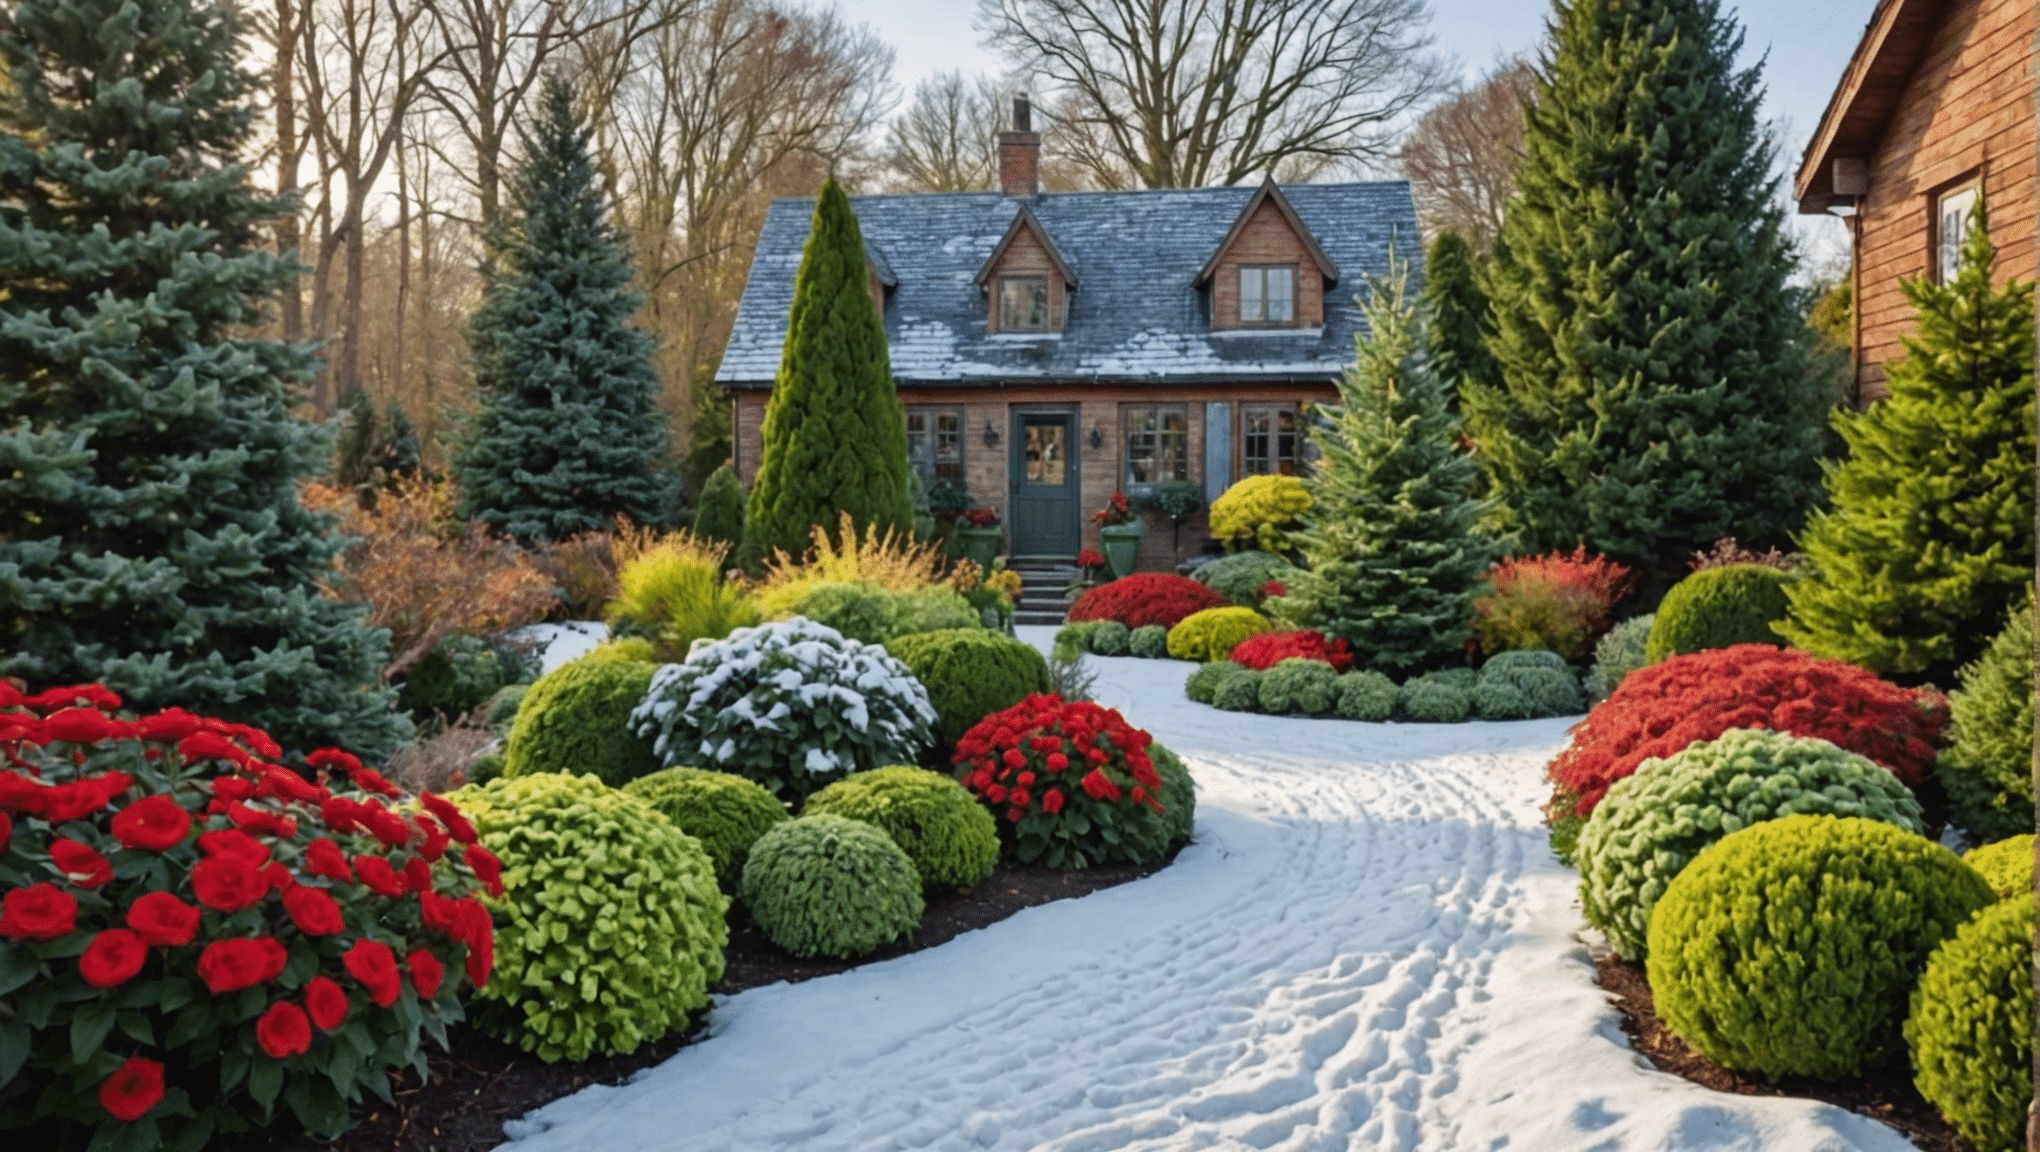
(1020, 153)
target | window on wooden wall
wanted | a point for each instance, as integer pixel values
(1157, 442)
(1023, 303)
(1270, 440)
(1267, 293)
(1953, 209)
(935, 441)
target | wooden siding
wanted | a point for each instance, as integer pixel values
(1267, 239)
(1966, 109)
(1026, 256)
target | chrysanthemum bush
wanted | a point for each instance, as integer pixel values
(1146, 598)
(1264, 651)
(194, 939)
(1070, 781)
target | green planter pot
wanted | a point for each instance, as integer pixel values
(1121, 545)
(980, 544)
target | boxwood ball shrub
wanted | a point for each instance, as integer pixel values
(2007, 865)
(1238, 691)
(1719, 608)
(724, 811)
(1523, 691)
(576, 719)
(1110, 638)
(1367, 695)
(1071, 782)
(1149, 642)
(1971, 1027)
(941, 827)
(1618, 653)
(792, 705)
(1790, 947)
(614, 928)
(1211, 634)
(1296, 685)
(1434, 700)
(1145, 598)
(1203, 683)
(1073, 640)
(827, 885)
(1525, 658)
(970, 673)
(1239, 576)
(1987, 767)
(1655, 821)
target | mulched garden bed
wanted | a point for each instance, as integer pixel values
(1887, 1095)
(485, 1082)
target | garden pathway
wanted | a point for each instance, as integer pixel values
(1367, 946)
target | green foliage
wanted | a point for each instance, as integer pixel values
(2006, 865)
(612, 924)
(725, 812)
(1238, 577)
(501, 710)
(1367, 695)
(828, 885)
(1072, 640)
(1987, 765)
(627, 649)
(1652, 395)
(1149, 642)
(576, 720)
(719, 510)
(949, 836)
(1617, 654)
(1971, 1027)
(1211, 634)
(1203, 683)
(569, 434)
(1179, 798)
(1655, 821)
(1391, 558)
(1260, 512)
(1789, 947)
(835, 436)
(1238, 691)
(1295, 685)
(372, 451)
(970, 673)
(675, 596)
(1718, 608)
(151, 537)
(1928, 536)
(1435, 701)
(1455, 307)
(875, 614)
(484, 768)
(1110, 638)
(1518, 658)
(461, 675)
(1525, 691)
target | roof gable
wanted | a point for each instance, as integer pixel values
(1024, 221)
(1893, 41)
(1269, 193)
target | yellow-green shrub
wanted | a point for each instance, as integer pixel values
(827, 885)
(1971, 1027)
(1260, 512)
(724, 811)
(1211, 634)
(2007, 865)
(577, 719)
(951, 838)
(674, 594)
(1719, 608)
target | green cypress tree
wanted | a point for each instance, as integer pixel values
(150, 532)
(719, 510)
(835, 434)
(1928, 538)
(1653, 392)
(569, 434)
(1456, 316)
(1391, 560)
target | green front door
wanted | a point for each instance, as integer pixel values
(1044, 516)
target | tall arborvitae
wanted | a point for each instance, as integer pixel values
(569, 434)
(1457, 322)
(1653, 391)
(835, 434)
(150, 533)
(1391, 559)
(1928, 538)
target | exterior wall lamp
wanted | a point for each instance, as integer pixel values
(991, 435)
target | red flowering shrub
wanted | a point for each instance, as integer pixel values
(184, 946)
(1070, 781)
(1560, 602)
(1661, 709)
(1146, 598)
(1264, 650)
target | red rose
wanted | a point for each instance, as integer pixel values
(440, 914)
(369, 780)
(254, 738)
(231, 965)
(1020, 798)
(1015, 758)
(1098, 787)
(393, 830)
(313, 910)
(486, 866)
(481, 945)
(133, 1089)
(168, 726)
(456, 822)
(234, 844)
(283, 1030)
(113, 957)
(284, 784)
(96, 695)
(323, 858)
(154, 824)
(426, 972)
(435, 839)
(372, 963)
(80, 865)
(162, 919)
(344, 761)
(231, 788)
(212, 746)
(342, 814)
(228, 885)
(38, 912)
(1052, 802)
(379, 876)
(255, 820)
(996, 793)
(82, 798)
(81, 726)
(6, 830)
(327, 1003)
(19, 793)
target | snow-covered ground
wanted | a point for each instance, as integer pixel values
(1368, 945)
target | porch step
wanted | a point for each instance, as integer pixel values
(1042, 585)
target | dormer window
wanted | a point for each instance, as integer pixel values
(1267, 294)
(1023, 303)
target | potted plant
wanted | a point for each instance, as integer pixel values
(1177, 499)
(1089, 561)
(978, 535)
(1119, 533)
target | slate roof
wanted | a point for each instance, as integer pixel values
(1137, 317)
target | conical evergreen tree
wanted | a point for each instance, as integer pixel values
(1455, 310)
(569, 434)
(1391, 560)
(150, 533)
(1928, 539)
(835, 434)
(1652, 395)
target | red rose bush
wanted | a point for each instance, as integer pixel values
(194, 938)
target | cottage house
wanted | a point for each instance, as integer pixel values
(1051, 349)
(1935, 108)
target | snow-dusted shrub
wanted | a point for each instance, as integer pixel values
(828, 885)
(791, 704)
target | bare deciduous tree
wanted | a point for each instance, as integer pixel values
(1460, 157)
(946, 140)
(1181, 93)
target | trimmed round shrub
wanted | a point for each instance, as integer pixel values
(2006, 865)
(1367, 695)
(1303, 686)
(1238, 691)
(1434, 701)
(1987, 767)
(791, 705)
(1719, 608)
(1260, 512)
(1617, 654)
(724, 811)
(1791, 946)
(1145, 598)
(630, 649)
(1202, 685)
(613, 927)
(1179, 796)
(874, 614)
(1071, 781)
(970, 673)
(1149, 642)
(1654, 822)
(1526, 692)
(949, 836)
(828, 885)
(1110, 638)
(1073, 640)
(1212, 633)
(1971, 1027)
(577, 718)
(1239, 577)
(1264, 650)
(1525, 658)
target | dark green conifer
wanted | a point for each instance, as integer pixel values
(719, 510)
(1456, 316)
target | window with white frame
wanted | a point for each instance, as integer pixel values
(1157, 442)
(935, 441)
(1270, 440)
(1953, 210)
(1267, 293)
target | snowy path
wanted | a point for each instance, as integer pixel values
(1368, 946)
